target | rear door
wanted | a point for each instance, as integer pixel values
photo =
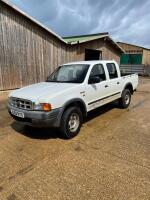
(115, 83)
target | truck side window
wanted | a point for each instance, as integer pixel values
(112, 70)
(98, 70)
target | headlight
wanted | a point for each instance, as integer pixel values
(43, 107)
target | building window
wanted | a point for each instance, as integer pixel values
(91, 54)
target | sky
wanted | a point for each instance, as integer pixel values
(125, 20)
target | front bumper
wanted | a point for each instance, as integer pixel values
(38, 118)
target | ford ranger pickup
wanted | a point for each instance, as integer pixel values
(69, 93)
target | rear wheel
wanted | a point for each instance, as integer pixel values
(125, 99)
(71, 122)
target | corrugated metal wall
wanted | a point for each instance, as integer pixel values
(139, 69)
(29, 53)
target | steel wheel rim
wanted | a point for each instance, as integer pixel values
(127, 99)
(74, 122)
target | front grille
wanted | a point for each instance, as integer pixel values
(21, 103)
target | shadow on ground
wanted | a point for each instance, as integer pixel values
(102, 110)
(36, 133)
(50, 133)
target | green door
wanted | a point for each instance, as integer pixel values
(131, 59)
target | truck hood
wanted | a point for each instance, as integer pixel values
(40, 90)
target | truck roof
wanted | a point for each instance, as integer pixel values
(89, 62)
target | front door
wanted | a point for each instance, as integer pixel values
(95, 93)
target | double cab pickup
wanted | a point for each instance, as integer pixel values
(69, 93)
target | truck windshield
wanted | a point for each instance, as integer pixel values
(74, 73)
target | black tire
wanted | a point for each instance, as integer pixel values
(68, 115)
(125, 99)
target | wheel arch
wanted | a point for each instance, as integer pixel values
(129, 86)
(76, 102)
(71, 103)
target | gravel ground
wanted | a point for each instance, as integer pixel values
(109, 159)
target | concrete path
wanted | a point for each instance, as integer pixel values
(108, 160)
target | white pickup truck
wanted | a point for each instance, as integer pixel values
(69, 93)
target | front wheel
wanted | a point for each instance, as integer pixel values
(71, 122)
(125, 99)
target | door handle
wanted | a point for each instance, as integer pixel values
(106, 86)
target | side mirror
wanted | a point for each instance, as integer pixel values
(94, 79)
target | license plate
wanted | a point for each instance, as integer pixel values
(17, 114)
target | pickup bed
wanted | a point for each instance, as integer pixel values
(69, 93)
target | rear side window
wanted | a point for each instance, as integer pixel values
(112, 70)
(98, 70)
